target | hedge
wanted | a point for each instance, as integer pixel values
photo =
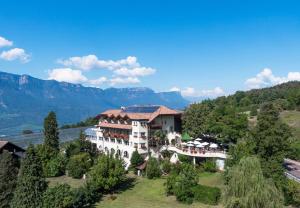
(206, 194)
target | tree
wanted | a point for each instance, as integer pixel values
(79, 164)
(160, 137)
(136, 159)
(253, 111)
(60, 196)
(185, 181)
(31, 184)
(272, 143)
(194, 118)
(51, 132)
(152, 169)
(108, 173)
(247, 187)
(8, 178)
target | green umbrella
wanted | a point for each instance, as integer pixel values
(185, 137)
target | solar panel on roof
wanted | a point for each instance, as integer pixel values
(141, 109)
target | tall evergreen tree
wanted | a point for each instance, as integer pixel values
(31, 184)
(8, 178)
(51, 132)
(247, 187)
(272, 143)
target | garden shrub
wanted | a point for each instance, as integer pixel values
(206, 194)
(79, 164)
(209, 165)
(153, 169)
(166, 166)
(60, 196)
(55, 166)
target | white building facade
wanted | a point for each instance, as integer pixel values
(122, 131)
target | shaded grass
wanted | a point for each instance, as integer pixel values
(74, 183)
(151, 193)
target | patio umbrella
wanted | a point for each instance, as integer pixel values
(190, 145)
(213, 145)
(197, 142)
(205, 143)
(198, 139)
(190, 142)
(200, 145)
(183, 143)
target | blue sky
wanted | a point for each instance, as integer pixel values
(202, 48)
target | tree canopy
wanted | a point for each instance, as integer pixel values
(247, 187)
(31, 183)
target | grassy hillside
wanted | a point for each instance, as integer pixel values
(150, 193)
(292, 118)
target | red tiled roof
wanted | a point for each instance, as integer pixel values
(162, 110)
(116, 126)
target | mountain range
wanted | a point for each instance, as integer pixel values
(25, 101)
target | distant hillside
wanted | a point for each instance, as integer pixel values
(286, 96)
(25, 100)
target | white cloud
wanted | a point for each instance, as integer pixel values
(192, 92)
(175, 89)
(97, 82)
(266, 78)
(135, 72)
(15, 54)
(67, 75)
(125, 80)
(4, 42)
(91, 61)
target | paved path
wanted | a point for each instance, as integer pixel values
(292, 169)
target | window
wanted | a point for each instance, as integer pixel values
(135, 123)
(119, 141)
(106, 139)
(101, 138)
(126, 143)
(113, 140)
(135, 145)
(135, 134)
(143, 135)
(143, 146)
(126, 154)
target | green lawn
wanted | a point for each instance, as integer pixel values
(292, 118)
(74, 183)
(150, 193)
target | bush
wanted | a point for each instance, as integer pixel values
(107, 174)
(184, 182)
(166, 166)
(184, 159)
(55, 166)
(136, 159)
(209, 165)
(166, 154)
(60, 196)
(206, 194)
(79, 165)
(292, 193)
(152, 169)
(85, 196)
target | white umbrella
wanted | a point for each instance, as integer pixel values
(198, 139)
(190, 142)
(200, 145)
(183, 143)
(205, 143)
(213, 145)
(197, 142)
(190, 145)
